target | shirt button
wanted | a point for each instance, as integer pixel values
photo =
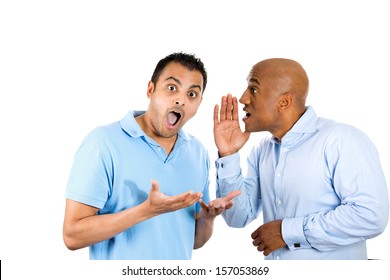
(278, 175)
(279, 202)
(277, 258)
(159, 148)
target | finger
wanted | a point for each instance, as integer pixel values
(222, 204)
(229, 108)
(218, 211)
(215, 204)
(180, 203)
(191, 199)
(266, 251)
(232, 195)
(256, 242)
(229, 205)
(216, 119)
(183, 198)
(255, 234)
(261, 248)
(235, 109)
(222, 112)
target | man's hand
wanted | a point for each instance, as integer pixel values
(268, 237)
(217, 206)
(208, 212)
(159, 203)
(227, 133)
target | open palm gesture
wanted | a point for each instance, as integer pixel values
(227, 132)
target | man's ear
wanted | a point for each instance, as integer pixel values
(285, 101)
(150, 89)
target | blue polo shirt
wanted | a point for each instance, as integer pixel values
(112, 171)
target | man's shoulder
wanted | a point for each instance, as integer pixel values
(106, 130)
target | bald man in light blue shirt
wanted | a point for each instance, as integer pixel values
(319, 183)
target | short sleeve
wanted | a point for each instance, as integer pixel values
(90, 176)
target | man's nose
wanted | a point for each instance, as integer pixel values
(244, 99)
(179, 101)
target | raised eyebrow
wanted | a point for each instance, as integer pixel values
(254, 81)
(196, 86)
(173, 78)
(180, 84)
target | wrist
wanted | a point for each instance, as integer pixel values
(225, 154)
(146, 210)
(206, 217)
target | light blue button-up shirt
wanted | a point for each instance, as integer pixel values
(324, 180)
(112, 171)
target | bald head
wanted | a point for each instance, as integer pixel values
(286, 75)
(275, 96)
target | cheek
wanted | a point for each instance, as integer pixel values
(191, 111)
(194, 107)
(158, 104)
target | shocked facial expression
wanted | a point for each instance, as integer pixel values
(174, 99)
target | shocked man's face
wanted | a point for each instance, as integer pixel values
(174, 99)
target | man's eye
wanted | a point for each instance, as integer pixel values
(171, 88)
(192, 94)
(253, 90)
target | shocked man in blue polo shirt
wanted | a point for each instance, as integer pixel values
(138, 188)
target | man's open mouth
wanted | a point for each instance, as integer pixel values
(174, 117)
(247, 115)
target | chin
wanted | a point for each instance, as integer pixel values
(247, 129)
(170, 132)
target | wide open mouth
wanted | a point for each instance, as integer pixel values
(174, 117)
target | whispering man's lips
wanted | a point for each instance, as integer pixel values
(247, 114)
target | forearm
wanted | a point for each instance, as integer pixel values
(243, 211)
(229, 178)
(346, 225)
(203, 230)
(96, 228)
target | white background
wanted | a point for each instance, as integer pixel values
(69, 66)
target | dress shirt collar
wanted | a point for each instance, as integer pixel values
(306, 124)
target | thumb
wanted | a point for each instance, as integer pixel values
(203, 205)
(155, 187)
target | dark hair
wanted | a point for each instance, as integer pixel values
(189, 61)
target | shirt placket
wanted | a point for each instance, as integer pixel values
(279, 189)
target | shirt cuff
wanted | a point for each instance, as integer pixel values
(292, 233)
(228, 166)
